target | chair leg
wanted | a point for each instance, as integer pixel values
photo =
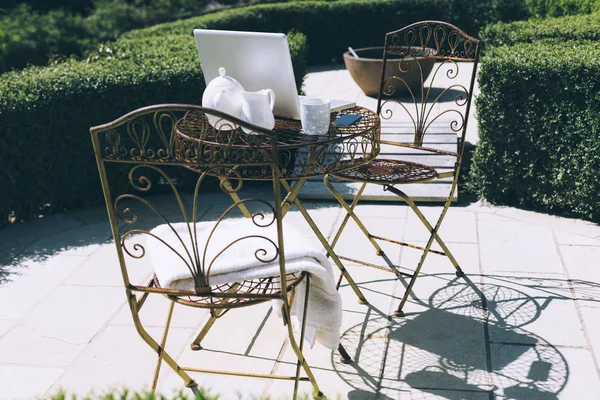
(431, 230)
(350, 213)
(163, 342)
(196, 344)
(297, 348)
(345, 359)
(361, 297)
(399, 312)
(302, 332)
(158, 349)
(214, 315)
(235, 197)
(433, 236)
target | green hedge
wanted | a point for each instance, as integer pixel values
(539, 127)
(126, 394)
(332, 26)
(46, 157)
(80, 6)
(29, 36)
(579, 27)
(556, 8)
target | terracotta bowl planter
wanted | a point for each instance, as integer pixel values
(366, 71)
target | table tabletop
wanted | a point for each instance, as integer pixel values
(299, 155)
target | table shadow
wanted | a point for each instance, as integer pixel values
(455, 346)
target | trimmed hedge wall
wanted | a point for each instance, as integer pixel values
(539, 127)
(28, 37)
(579, 27)
(31, 36)
(46, 157)
(332, 26)
(556, 8)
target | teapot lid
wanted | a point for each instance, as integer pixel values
(223, 81)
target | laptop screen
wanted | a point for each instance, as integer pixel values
(256, 60)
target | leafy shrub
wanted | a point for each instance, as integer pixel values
(579, 27)
(331, 26)
(539, 127)
(46, 157)
(78, 6)
(28, 37)
(125, 394)
(556, 8)
(113, 17)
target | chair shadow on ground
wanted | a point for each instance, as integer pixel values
(467, 341)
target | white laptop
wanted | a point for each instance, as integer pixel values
(257, 60)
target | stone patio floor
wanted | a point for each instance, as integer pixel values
(523, 324)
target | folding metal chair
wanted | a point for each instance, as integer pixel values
(141, 151)
(441, 99)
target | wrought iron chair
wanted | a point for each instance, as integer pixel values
(448, 50)
(143, 150)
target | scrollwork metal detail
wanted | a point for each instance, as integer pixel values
(298, 155)
(432, 38)
(416, 45)
(187, 245)
(149, 136)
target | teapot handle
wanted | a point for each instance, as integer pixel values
(271, 96)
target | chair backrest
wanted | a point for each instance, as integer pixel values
(158, 149)
(427, 78)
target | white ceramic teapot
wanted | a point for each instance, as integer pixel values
(223, 94)
(257, 108)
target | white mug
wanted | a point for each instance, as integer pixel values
(315, 115)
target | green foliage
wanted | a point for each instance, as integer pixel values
(111, 18)
(331, 26)
(79, 6)
(579, 27)
(28, 37)
(556, 8)
(46, 156)
(125, 394)
(539, 127)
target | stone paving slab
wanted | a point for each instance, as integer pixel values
(5, 326)
(116, 358)
(32, 281)
(25, 345)
(530, 301)
(591, 323)
(543, 371)
(512, 246)
(25, 381)
(30, 231)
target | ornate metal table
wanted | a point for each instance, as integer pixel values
(300, 156)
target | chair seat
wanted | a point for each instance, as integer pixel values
(387, 172)
(238, 294)
(240, 276)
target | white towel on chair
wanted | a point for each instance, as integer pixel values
(240, 262)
